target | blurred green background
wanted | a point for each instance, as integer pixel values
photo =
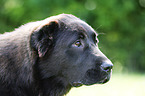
(120, 23)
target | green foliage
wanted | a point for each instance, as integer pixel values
(121, 21)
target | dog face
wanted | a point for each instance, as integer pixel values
(68, 49)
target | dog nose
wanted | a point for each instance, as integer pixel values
(106, 66)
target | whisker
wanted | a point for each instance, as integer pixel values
(101, 33)
(98, 27)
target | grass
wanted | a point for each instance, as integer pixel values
(119, 85)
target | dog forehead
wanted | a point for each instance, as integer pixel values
(82, 27)
(67, 17)
(73, 24)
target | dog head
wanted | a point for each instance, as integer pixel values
(67, 48)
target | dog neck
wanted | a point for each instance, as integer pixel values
(53, 86)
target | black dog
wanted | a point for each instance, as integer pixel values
(48, 57)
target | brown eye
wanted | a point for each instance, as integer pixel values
(97, 41)
(78, 43)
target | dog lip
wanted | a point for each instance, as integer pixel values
(105, 80)
(77, 84)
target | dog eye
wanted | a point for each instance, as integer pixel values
(77, 43)
(96, 41)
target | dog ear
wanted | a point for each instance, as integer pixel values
(42, 39)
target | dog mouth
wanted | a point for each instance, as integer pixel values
(105, 80)
(94, 76)
(77, 84)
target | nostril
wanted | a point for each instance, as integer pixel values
(106, 66)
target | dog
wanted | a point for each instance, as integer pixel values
(49, 57)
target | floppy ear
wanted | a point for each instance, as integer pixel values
(42, 39)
